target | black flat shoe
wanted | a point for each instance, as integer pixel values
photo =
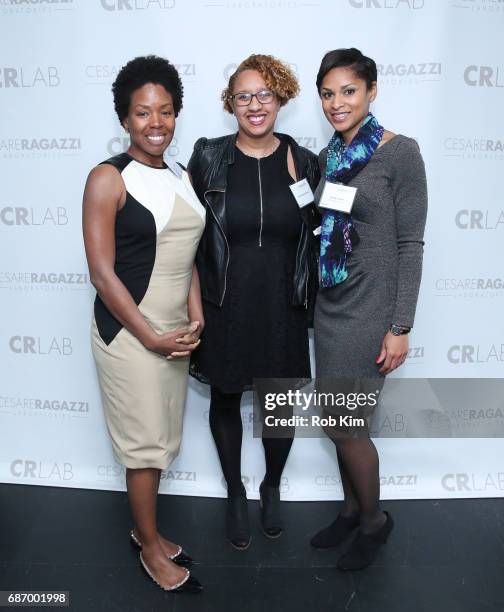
(337, 532)
(365, 547)
(188, 585)
(237, 521)
(180, 557)
(269, 503)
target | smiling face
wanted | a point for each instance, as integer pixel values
(150, 122)
(345, 100)
(255, 120)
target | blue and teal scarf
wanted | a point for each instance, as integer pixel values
(338, 235)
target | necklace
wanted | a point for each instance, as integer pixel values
(264, 153)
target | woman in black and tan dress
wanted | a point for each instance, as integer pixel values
(142, 225)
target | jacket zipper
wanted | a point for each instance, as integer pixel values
(225, 238)
(306, 286)
(260, 200)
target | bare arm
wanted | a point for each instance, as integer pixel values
(194, 305)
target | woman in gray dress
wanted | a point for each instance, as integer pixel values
(370, 270)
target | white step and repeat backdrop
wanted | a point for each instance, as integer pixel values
(441, 80)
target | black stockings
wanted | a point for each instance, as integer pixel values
(227, 430)
(359, 468)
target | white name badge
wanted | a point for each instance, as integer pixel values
(317, 231)
(302, 192)
(337, 196)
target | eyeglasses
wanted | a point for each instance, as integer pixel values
(243, 98)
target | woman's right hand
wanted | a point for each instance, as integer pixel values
(167, 345)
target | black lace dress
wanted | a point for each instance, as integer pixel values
(257, 333)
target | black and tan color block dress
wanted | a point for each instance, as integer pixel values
(157, 233)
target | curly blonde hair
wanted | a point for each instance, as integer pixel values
(277, 76)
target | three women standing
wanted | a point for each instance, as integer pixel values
(257, 268)
(370, 271)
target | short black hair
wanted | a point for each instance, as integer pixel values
(140, 71)
(364, 67)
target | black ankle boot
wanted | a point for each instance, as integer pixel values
(365, 547)
(337, 532)
(237, 521)
(270, 511)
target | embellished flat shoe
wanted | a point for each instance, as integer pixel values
(188, 585)
(337, 532)
(269, 502)
(180, 557)
(364, 548)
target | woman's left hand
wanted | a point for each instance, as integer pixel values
(195, 329)
(394, 351)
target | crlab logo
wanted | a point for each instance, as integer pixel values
(462, 147)
(388, 425)
(136, 5)
(466, 219)
(44, 281)
(475, 353)
(119, 144)
(41, 470)
(15, 148)
(387, 4)
(462, 481)
(36, 345)
(480, 6)
(409, 74)
(46, 76)
(54, 408)
(487, 287)
(34, 6)
(230, 68)
(484, 76)
(21, 216)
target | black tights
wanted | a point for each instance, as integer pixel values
(227, 430)
(359, 469)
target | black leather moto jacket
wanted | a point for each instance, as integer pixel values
(208, 168)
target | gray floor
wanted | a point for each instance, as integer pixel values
(443, 556)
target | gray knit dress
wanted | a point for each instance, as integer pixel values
(384, 270)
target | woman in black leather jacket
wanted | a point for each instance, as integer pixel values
(257, 269)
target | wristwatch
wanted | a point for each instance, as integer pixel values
(399, 330)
